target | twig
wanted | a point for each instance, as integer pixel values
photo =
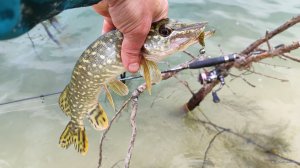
(221, 50)
(271, 34)
(289, 56)
(245, 80)
(275, 52)
(209, 146)
(189, 54)
(32, 43)
(134, 100)
(268, 76)
(281, 57)
(108, 128)
(267, 41)
(157, 98)
(55, 24)
(273, 65)
(50, 35)
(209, 121)
(185, 83)
(114, 165)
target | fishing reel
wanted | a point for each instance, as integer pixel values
(211, 76)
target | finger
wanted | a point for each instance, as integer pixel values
(130, 54)
(102, 8)
(107, 26)
(162, 10)
(132, 44)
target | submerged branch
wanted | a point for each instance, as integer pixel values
(246, 58)
(209, 146)
(248, 140)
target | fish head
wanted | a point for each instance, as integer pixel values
(169, 36)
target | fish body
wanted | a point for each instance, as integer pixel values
(99, 66)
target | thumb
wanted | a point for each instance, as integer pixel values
(107, 25)
(130, 53)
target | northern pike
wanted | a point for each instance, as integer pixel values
(99, 66)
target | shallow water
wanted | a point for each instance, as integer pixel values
(268, 113)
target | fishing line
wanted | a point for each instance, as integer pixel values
(30, 98)
(23, 109)
(29, 102)
(197, 64)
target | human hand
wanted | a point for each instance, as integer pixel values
(133, 18)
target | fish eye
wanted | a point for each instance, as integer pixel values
(164, 31)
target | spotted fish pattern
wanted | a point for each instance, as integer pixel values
(100, 64)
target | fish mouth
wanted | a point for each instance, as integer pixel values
(183, 40)
(188, 33)
(195, 26)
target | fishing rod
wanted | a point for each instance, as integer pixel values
(197, 64)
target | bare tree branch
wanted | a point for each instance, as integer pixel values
(271, 34)
(267, 41)
(241, 63)
(134, 100)
(289, 56)
(245, 80)
(273, 65)
(268, 76)
(108, 128)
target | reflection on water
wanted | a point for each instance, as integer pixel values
(166, 138)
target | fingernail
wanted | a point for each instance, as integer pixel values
(134, 67)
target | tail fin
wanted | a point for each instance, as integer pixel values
(64, 101)
(74, 134)
(98, 118)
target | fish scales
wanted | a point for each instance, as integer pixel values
(100, 64)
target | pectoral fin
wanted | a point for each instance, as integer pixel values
(98, 118)
(154, 71)
(118, 87)
(150, 72)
